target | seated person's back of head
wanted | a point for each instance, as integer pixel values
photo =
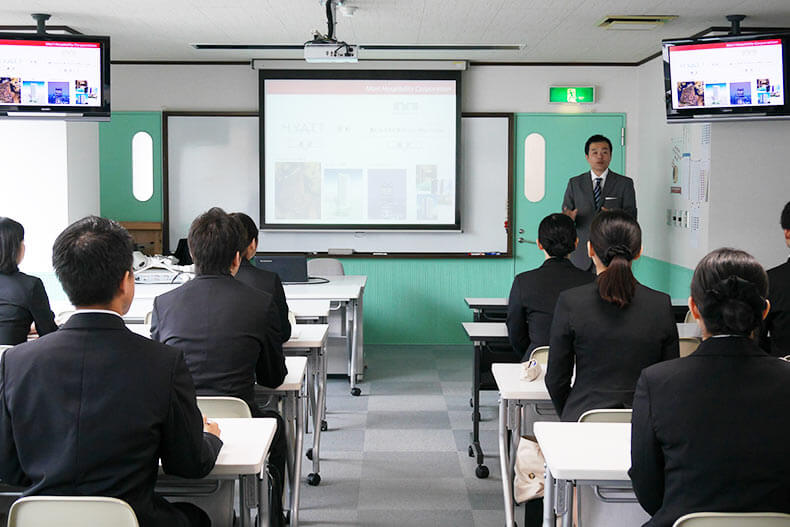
(610, 329)
(534, 293)
(776, 330)
(91, 408)
(709, 431)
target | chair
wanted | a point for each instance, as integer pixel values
(609, 415)
(215, 407)
(540, 354)
(71, 511)
(688, 345)
(148, 316)
(4, 347)
(733, 519)
(325, 267)
(689, 318)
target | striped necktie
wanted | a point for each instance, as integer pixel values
(597, 193)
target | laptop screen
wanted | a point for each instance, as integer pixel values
(290, 269)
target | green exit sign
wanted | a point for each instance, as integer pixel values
(572, 94)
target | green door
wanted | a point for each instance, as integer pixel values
(563, 136)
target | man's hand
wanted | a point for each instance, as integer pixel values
(210, 427)
(569, 212)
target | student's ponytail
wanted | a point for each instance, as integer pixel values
(616, 239)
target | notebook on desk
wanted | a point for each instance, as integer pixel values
(291, 269)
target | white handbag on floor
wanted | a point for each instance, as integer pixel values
(529, 481)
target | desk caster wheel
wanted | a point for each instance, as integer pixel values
(471, 451)
(313, 479)
(481, 471)
(309, 454)
(324, 426)
(471, 403)
(356, 391)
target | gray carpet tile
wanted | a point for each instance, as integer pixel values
(437, 494)
(407, 420)
(407, 403)
(409, 441)
(415, 465)
(387, 387)
(404, 518)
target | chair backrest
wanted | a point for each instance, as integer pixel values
(540, 354)
(218, 407)
(733, 519)
(611, 415)
(71, 511)
(325, 267)
(4, 347)
(688, 345)
(148, 316)
(689, 318)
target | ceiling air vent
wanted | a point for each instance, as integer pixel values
(634, 22)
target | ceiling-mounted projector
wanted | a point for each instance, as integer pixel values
(327, 51)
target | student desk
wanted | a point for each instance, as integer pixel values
(514, 393)
(348, 291)
(689, 330)
(309, 311)
(291, 391)
(487, 309)
(594, 454)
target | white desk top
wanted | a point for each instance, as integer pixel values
(293, 379)
(346, 287)
(474, 303)
(140, 329)
(307, 336)
(308, 308)
(485, 330)
(689, 330)
(246, 443)
(586, 451)
(510, 385)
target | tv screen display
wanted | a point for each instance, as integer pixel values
(360, 150)
(721, 77)
(66, 76)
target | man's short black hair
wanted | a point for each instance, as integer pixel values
(12, 234)
(90, 258)
(249, 230)
(597, 138)
(214, 239)
(557, 235)
(786, 217)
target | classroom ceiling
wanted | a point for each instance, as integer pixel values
(548, 30)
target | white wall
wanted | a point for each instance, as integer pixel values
(82, 147)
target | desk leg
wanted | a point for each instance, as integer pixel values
(263, 498)
(475, 450)
(352, 366)
(549, 519)
(244, 509)
(504, 463)
(318, 412)
(299, 409)
(563, 502)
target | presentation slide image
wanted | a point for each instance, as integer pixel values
(740, 93)
(343, 195)
(386, 194)
(34, 92)
(691, 93)
(298, 190)
(58, 92)
(716, 94)
(763, 84)
(10, 90)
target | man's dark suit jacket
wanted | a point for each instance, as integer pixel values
(709, 433)
(228, 331)
(23, 301)
(268, 282)
(610, 347)
(532, 299)
(579, 196)
(778, 319)
(89, 410)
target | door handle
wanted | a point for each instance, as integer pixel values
(521, 239)
(521, 231)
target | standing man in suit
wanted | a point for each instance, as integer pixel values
(593, 191)
(260, 279)
(534, 293)
(91, 408)
(228, 331)
(778, 321)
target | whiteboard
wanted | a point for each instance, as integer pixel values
(212, 160)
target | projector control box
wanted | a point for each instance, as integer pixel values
(330, 52)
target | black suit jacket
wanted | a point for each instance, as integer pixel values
(532, 299)
(778, 319)
(268, 282)
(579, 196)
(709, 433)
(610, 347)
(228, 331)
(23, 301)
(89, 410)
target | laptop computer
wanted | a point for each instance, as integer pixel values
(291, 269)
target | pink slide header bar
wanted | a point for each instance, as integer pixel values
(357, 87)
(745, 44)
(49, 43)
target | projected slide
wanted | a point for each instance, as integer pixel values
(727, 74)
(359, 152)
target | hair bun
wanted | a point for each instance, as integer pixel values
(735, 302)
(618, 250)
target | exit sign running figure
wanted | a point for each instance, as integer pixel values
(572, 94)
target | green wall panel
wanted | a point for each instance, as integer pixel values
(664, 276)
(115, 165)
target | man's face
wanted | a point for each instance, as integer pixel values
(599, 156)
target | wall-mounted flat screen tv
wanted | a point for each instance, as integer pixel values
(732, 77)
(54, 76)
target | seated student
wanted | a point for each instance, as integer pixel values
(23, 299)
(709, 431)
(91, 408)
(777, 323)
(228, 331)
(534, 293)
(610, 329)
(260, 278)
